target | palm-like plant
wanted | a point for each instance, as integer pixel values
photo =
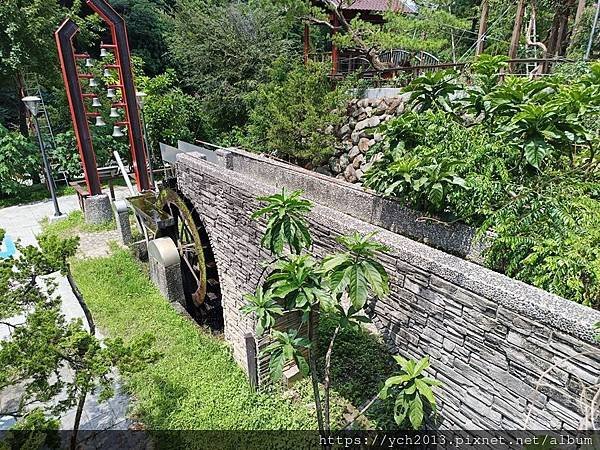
(413, 390)
(285, 348)
(264, 306)
(296, 280)
(356, 271)
(433, 90)
(285, 222)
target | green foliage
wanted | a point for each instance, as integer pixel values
(357, 272)
(196, 384)
(33, 431)
(428, 30)
(65, 155)
(285, 222)
(45, 353)
(147, 26)
(542, 130)
(286, 348)
(19, 161)
(433, 90)
(293, 114)
(224, 51)
(422, 175)
(170, 114)
(523, 167)
(413, 391)
(299, 283)
(296, 281)
(264, 307)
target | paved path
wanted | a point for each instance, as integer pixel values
(23, 222)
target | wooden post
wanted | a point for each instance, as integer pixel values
(306, 42)
(516, 34)
(335, 55)
(251, 358)
(483, 19)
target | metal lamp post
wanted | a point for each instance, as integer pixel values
(141, 96)
(33, 104)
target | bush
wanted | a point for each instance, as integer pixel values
(20, 161)
(66, 155)
(170, 114)
(293, 114)
(531, 174)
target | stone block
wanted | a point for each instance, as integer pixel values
(97, 209)
(165, 269)
(121, 210)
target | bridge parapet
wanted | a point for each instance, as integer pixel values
(490, 337)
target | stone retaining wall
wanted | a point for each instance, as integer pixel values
(489, 337)
(357, 135)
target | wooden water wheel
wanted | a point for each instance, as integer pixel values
(199, 274)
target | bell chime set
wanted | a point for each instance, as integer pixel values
(111, 91)
(122, 95)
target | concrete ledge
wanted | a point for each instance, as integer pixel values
(356, 201)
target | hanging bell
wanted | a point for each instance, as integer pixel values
(96, 102)
(88, 62)
(100, 121)
(93, 82)
(117, 132)
(114, 112)
(107, 72)
(103, 53)
(110, 93)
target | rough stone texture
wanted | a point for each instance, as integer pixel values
(489, 337)
(97, 209)
(358, 133)
(165, 269)
(122, 221)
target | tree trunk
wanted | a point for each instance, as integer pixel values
(22, 109)
(327, 382)
(576, 23)
(516, 33)
(78, 413)
(483, 24)
(313, 368)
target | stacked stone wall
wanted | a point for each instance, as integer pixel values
(490, 337)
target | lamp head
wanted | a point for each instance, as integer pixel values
(96, 102)
(114, 112)
(103, 53)
(141, 98)
(107, 72)
(93, 82)
(100, 121)
(88, 62)
(32, 102)
(110, 93)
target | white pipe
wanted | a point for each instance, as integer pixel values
(124, 173)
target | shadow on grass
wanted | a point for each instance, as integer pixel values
(360, 364)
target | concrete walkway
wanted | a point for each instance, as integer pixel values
(23, 223)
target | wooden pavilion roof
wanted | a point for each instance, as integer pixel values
(405, 6)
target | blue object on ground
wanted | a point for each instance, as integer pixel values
(9, 248)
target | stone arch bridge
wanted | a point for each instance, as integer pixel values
(489, 337)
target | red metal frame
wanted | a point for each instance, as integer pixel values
(66, 52)
(120, 46)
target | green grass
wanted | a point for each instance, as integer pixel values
(35, 193)
(196, 384)
(73, 224)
